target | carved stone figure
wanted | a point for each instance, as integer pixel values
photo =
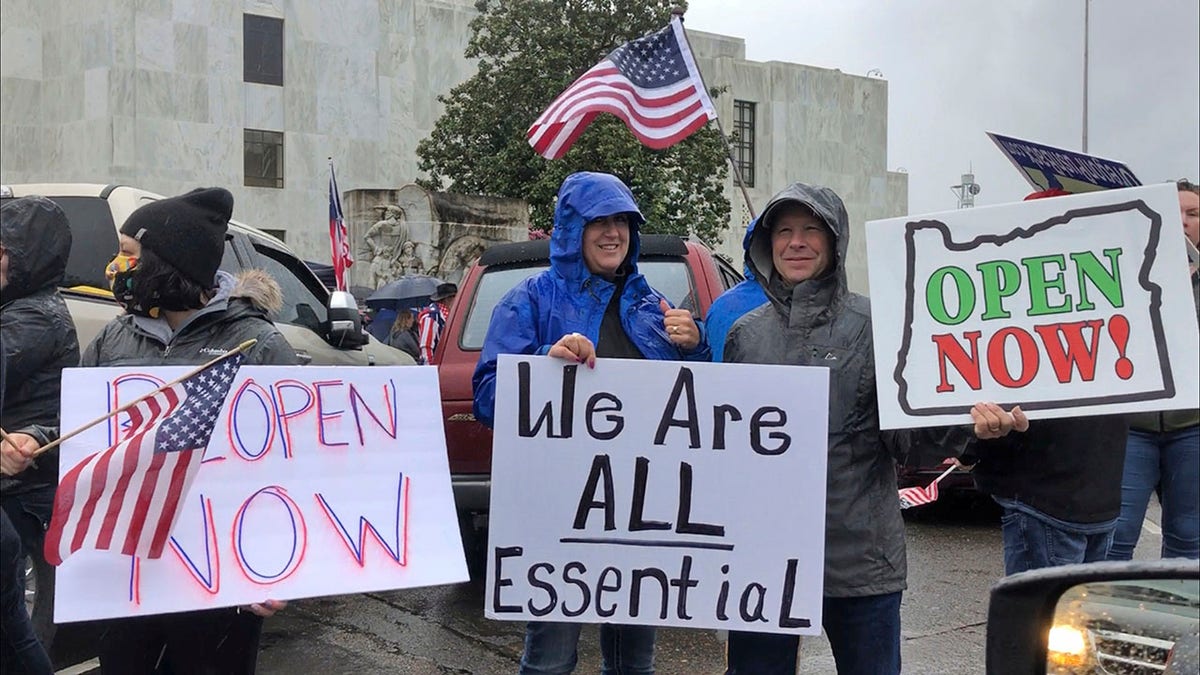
(408, 262)
(384, 241)
(459, 255)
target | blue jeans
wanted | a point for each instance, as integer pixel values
(19, 647)
(550, 649)
(1170, 463)
(1033, 540)
(863, 632)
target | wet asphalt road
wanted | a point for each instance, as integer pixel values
(954, 557)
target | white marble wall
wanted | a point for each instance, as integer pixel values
(814, 125)
(150, 93)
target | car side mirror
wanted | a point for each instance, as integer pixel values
(1118, 617)
(345, 328)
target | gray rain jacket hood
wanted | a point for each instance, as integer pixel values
(819, 322)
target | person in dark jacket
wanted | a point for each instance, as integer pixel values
(797, 253)
(403, 334)
(180, 310)
(1163, 451)
(38, 339)
(733, 303)
(20, 649)
(1058, 481)
(591, 303)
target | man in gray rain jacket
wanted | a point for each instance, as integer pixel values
(812, 319)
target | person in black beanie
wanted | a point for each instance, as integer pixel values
(181, 310)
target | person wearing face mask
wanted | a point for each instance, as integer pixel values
(180, 310)
(591, 303)
(38, 339)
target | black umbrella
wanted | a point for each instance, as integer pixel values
(407, 291)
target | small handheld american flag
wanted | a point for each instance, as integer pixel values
(652, 84)
(127, 497)
(919, 496)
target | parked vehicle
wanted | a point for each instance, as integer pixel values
(1133, 618)
(684, 271)
(324, 328)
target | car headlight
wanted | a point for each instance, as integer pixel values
(1067, 646)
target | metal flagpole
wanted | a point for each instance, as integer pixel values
(1087, 7)
(737, 175)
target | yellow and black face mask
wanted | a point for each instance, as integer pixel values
(122, 275)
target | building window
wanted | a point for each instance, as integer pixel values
(264, 158)
(262, 53)
(743, 140)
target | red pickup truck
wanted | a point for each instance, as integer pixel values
(685, 271)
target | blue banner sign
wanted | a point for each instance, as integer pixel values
(1047, 167)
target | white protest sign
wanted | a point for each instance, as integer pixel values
(317, 481)
(1068, 306)
(659, 493)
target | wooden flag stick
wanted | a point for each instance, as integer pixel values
(945, 473)
(53, 444)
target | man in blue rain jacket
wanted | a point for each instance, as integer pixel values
(592, 302)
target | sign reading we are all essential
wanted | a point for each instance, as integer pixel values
(658, 493)
(317, 481)
(1067, 306)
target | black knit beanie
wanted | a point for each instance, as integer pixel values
(187, 231)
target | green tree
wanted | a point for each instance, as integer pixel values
(529, 51)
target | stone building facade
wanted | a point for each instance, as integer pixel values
(255, 95)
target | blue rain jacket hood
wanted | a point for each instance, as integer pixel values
(569, 298)
(733, 303)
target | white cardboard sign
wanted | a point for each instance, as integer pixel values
(317, 481)
(659, 493)
(1068, 306)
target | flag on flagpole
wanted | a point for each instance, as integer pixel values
(127, 497)
(919, 496)
(339, 238)
(652, 84)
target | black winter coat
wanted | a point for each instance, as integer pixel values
(38, 335)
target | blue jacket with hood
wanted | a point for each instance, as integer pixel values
(569, 298)
(733, 303)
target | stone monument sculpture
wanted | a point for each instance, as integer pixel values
(385, 242)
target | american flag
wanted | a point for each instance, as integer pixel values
(652, 84)
(919, 496)
(128, 496)
(339, 238)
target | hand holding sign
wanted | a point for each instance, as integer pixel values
(1072, 306)
(681, 327)
(267, 608)
(992, 422)
(574, 347)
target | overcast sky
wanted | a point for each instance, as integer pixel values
(958, 68)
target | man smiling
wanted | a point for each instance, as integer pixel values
(797, 253)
